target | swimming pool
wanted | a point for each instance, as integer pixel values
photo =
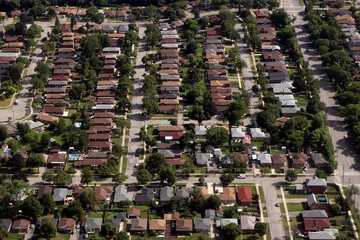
(73, 157)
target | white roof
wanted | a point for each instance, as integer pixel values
(238, 132)
(32, 124)
(257, 133)
(264, 158)
(326, 234)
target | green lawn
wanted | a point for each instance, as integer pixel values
(95, 215)
(262, 195)
(201, 170)
(123, 165)
(332, 188)
(295, 207)
(296, 195)
(14, 236)
(59, 237)
(117, 140)
(195, 236)
(135, 237)
(6, 102)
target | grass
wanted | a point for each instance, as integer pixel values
(262, 195)
(201, 170)
(117, 141)
(123, 165)
(95, 215)
(282, 208)
(332, 188)
(59, 237)
(15, 236)
(295, 207)
(296, 195)
(234, 84)
(6, 102)
(135, 237)
(195, 236)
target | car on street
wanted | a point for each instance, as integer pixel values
(137, 152)
(277, 204)
(241, 176)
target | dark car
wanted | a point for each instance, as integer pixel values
(137, 152)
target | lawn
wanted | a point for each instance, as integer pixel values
(6, 102)
(332, 188)
(117, 140)
(234, 84)
(195, 236)
(14, 236)
(201, 170)
(59, 237)
(95, 215)
(135, 237)
(123, 165)
(262, 195)
(295, 207)
(296, 196)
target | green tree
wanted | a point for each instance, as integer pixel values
(75, 210)
(3, 133)
(226, 178)
(261, 228)
(87, 175)
(48, 203)
(31, 207)
(321, 173)
(231, 231)
(177, 203)
(62, 178)
(88, 199)
(197, 200)
(192, 47)
(213, 202)
(143, 176)
(3, 233)
(155, 162)
(48, 176)
(217, 136)
(296, 139)
(230, 212)
(236, 111)
(119, 178)
(35, 161)
(168, 174)
(48, 230)
(23, 128)
(107, 231)
(117, 150)
(201, 181)
(291, 175)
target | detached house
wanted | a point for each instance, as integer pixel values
(66, 225)
(166, 193)
(104, 193)
(138, 226)
(168, 133)
(157, 225)
(244, 196)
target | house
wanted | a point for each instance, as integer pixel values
(200, 131)
(244, 196)
(168, 133)
(146, 197)
(210, 213)
(166, 193)
(317, 201)
(316, 185)
(183, 193)
(326, 234)
(257, 133)
(184, 226)
(226, 221)
(133, 213)
(114, 222)
(43, 189)
(315, 220)
(56, 160)
(319, 160)
(238, 133)
(92, 225)
(157, 225)
(5, 224)
(62, 195)
(104, 193)
(46, 118)
(202, 159)
(20, 225)
(138, 226)
(227, 196)
(248, 223)
(279, 160)
(300, 160)
(203, 225)
(66, 225)
(121, 216)
(121, 194)
(264, 159)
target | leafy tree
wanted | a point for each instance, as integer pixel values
(119, 178)
(231, 231)
(3, 133)
(197, 200)
(117, 150)
(216, 136)
(230, 212)
(291, 175)
(48, 203)
(155, 162)
(107, 231)
(177, 203)
(236, 111)
(168, 174)
(87, 175)
(35, 161)
(192, 47)
(321, 173)
(226, 178)
(31, 207)
(17, 161)
(48, 230)
(3, 233)
(144, 176)
(152, 35)
(62, 178)
(74, 210)
(48, 176)
(335, 208)
(260, 228)
(88, 199)
(201, 181)
(213, 202)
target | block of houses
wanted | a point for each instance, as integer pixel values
(66, 225)
(122, 194)
(133, 213)
(146, 197)
(264, 159)
(92, 225)
(157, 225)
(317, 201)
(247, 223)
(244, 196)
(20, 225)
(319, 160)
(6, 224)
(326, 234)
(104, 193)
(279, 160)
(169, 133)
(203, 225)
(166, 193)
(184, 226)
(315, 220)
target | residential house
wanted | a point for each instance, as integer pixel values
(317, 201)
(248, 223)
(244, 196)
(183, 193)
(279, 160)
(133, 213)
(316, 185)
(146, 197)
(56, 160)
(66, 225)
(200, 131)
(326, 234)
(157, 225)
(5, 224)
(227, 196)
(62, 196)
(210, 213)
(264, 159)
(300, 160)
(184, 226)
(238, 133)
(166, 193)
(43, 189)
(319, 160)
(168, 133)
(226, 221)
(92, 225)
(257, 133)
(315, 220)
(114, 222)
(20, 225)
(122, 194)
(104, 193)
(203, 225)
(202, 159)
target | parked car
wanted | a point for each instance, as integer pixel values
(277, 204)
(241, 176)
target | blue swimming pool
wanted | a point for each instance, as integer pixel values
(73, 157)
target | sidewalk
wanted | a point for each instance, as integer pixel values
(286, 214)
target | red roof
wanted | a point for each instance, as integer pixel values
(244, 194)
(174, 135)
(316, 224)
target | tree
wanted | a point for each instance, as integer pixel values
(197, 200)
(168, 174)
(48, 230)
(48, 176)
(31, 207)
(231, 231)
(353, 190)
(260, 228)
(35, 161)
(88, 199)
(236, 111)
(119, 178)
(321, 173)
(201, 181)
(226, 178)
(192, 47)
(48, 203)
(87, 175)
(216, 136)
(213, 202)
(230, 212)
(18, 161)
(155, 162)
(291, 175)
(107, 231)
(144, 176)
(335, 208)
(75, 210)
(3, 133)
(62, 178)
(177, 203)
(3, 233)
(117, 150)
(122, 236)
(296, 139)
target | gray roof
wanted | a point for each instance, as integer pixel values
(290, 110)
(55, 90)
(247, 222)
(184, 193)
(147, 195)
(316, 182)
(314, 214)
(257, 133)
(202, 224)
(121, 216)
(166, 152)
(202, 158)
(326, 234)
(200, 130)
(59, 194)
(114, 221)
(226, 221)
(318, 159)
(123, 28)
(93, 223)
(264, 158)
(121, 194)
(5, 224)
(237, 132)
(166, 193)
(210, 213)
(311, 199)
(32, 124)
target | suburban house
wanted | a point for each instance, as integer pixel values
(169, 133)
(316, 185)
(248, 223)
(315, 220)
(227, 195)
(166, 193)
(203, 225)
(146, 197)
(299, 160)
(184, 226)
(200, 131)
(319, 160)
(114, 222)
(244, 196)
(238, 133)
(326, 234)
(202, 159)
(104, 193)
(56, 160)
(62, 196)
(264, 159)
(92, 225)
(226, 221)
(133, 213)
(257, 133)
(157, 225)
(279, 160)
(66, 225)
(43, 189)
(183, 193)
(317, 201)
(20, 225)
(210, 213)
(122, 194)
